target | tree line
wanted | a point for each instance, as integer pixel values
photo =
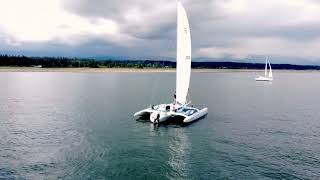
(64, 62)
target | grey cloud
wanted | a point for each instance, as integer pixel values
(94, 46)
(106, 8)
(153, 32)
(153, 22)
(301, 32)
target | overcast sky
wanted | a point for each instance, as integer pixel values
(242, 30)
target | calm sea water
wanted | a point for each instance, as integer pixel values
(81, 126)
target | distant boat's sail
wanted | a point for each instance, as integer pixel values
(183, 55)
(266, 67)
(270, 71)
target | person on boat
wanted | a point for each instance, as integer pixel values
(173, 108)
(158, 118)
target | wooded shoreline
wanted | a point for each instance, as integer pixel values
(78, 63)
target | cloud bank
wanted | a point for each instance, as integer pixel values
(286, 30)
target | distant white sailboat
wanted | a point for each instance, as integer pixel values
(267, 75)
(180, 108)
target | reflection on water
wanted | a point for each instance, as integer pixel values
(178, 150)
(81, 126)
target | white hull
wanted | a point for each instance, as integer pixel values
(161, 113)
(263, 78)
(196, 116)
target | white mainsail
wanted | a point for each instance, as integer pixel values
(266, 67)
(270, 71)
(183, 55)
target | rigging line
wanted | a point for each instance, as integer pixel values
(155, 84)
(188, 98)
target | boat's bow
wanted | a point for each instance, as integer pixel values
(142, 112)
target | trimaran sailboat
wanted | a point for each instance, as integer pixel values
(267, 76)
(181, 108)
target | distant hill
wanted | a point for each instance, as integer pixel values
(52, 62)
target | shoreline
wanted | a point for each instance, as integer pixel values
(131, 70)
